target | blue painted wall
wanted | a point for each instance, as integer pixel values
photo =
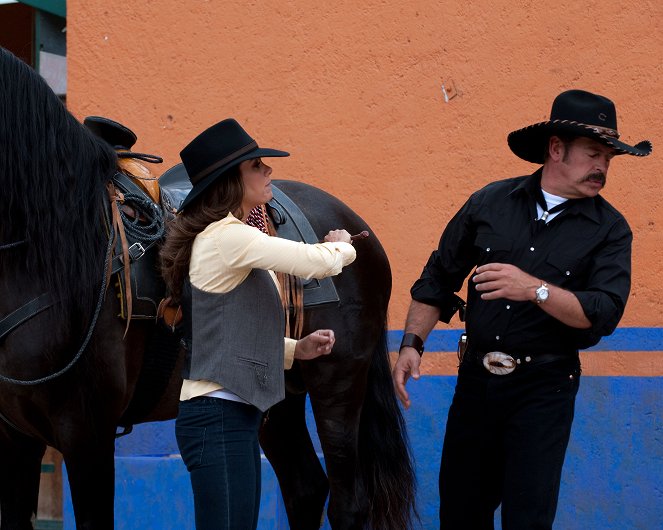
(613, 474)
(612, 480)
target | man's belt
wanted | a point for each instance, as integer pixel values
(500, 363)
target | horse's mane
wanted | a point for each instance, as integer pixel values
(53, 173)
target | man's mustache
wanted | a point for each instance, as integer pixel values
(596, 176)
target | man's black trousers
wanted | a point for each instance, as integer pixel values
(505, 442)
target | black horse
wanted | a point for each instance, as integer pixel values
(68, 373)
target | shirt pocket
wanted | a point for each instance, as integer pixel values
(565, 269)
(492, 247)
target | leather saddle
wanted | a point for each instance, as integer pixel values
(147, 286)
(138, 193)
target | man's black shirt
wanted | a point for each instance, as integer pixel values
(585, 249)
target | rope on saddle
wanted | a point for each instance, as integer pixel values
(148, 224)
(145, 223)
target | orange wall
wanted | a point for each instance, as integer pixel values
(354, 92)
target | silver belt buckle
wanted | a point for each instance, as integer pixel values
(499, 363)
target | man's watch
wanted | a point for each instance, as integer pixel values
(542, 293)
(413, 340)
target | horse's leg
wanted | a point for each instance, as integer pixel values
(287, 444)
(91, 474)
(20, 465)
(337, 391)
(86, 434)
(86, 431)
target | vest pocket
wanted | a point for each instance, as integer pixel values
(259, 368)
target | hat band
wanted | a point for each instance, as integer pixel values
(236, 154)
(605, 131)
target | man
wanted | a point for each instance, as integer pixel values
(552, 276)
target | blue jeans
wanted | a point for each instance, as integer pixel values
(218, 441)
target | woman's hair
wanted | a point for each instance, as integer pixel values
(223, 197)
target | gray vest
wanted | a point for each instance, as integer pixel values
(237, 339)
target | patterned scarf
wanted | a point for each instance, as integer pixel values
(292, 290)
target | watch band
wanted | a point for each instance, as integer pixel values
(413, 340)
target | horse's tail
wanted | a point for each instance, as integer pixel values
(384, 450)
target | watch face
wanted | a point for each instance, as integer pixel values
(542, 294)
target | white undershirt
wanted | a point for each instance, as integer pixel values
(551, 201)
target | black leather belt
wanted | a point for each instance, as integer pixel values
(501, 363)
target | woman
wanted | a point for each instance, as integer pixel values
(222, 272)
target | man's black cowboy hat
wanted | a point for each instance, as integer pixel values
(216, 150)
(574, 113)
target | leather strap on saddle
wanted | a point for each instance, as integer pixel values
(116, 196)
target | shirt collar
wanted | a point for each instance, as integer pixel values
(586, 206)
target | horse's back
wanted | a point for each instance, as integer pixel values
(320, 207)
(326, 212)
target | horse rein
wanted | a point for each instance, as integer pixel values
(15, 244)
(39, 304)
(26, 311)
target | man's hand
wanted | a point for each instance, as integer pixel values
(318, 343)
(407, 365)
(501, 280)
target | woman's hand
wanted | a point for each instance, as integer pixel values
(318, 343)
(338, 235)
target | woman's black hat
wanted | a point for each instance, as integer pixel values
(216, 150)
